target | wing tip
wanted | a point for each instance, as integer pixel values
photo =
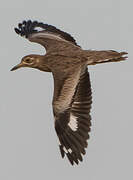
(62, 151)
(17, 30)
(28, 27)
(74, 155)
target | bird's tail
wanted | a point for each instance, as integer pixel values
(96, 57)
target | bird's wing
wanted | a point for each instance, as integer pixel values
(71, 106)
(48, 36)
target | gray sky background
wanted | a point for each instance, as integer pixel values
(28, 142)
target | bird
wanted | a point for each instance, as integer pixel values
(72, 99)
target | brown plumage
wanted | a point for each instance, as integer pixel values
(72, 89)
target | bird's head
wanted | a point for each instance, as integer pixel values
(31, 61)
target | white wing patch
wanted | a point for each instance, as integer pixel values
(39, 28)
(73, 123)
(67, 150)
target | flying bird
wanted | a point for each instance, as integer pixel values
(72, 99)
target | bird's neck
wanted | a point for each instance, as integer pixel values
(43, 63)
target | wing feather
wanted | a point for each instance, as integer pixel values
(47, 35)
(73, 124)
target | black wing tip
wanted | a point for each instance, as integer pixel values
(28, 27)
(72, 157)
(17, 30)
(61, 151)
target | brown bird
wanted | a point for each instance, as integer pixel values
(72, 89)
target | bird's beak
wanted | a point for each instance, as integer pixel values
(17, 67)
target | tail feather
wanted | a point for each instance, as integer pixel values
(96, 57)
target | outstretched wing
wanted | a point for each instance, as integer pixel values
(72, 118)
(48, 36)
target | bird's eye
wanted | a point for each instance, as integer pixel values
(28, 60)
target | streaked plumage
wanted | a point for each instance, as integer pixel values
(72, 89)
